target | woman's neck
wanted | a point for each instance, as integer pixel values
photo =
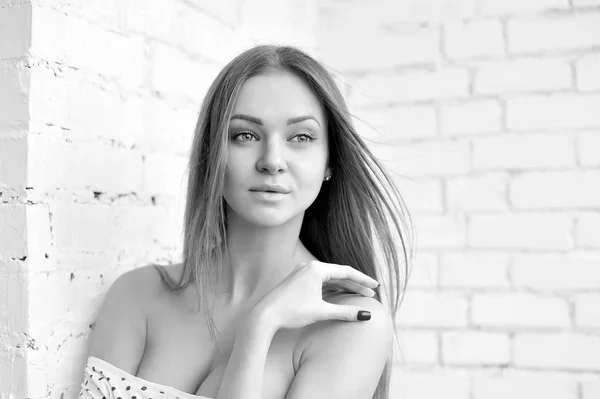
(259, 257)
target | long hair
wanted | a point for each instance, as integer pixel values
(358, 209)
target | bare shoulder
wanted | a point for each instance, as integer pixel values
(119, 333)
(344, 359)
(329, 334)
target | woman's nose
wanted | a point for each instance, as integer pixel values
(272, 158)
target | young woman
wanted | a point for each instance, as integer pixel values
(290, 226)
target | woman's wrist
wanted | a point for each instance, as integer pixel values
(262, 318)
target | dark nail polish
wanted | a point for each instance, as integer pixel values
(364, 315)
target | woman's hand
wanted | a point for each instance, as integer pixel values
(297, 300)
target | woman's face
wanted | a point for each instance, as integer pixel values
(277, 137)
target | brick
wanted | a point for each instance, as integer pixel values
(474, 117)
(84, 109)
(429, 383)
(587, 311)
(553, 111)
(575, 271)
(588, 77)
(424, 271)
(83, 227)
(587, 230)
(15, 23)
(444, 231)
(446, 158)
(590, 389)
(203, 34)
(432, 309)
(263, 21)
(385, 13)
(410, 86)
(168, 129)
(519, 384)
(86, 261)
(588, 148)
(521, 231)
(84, 166)
(492, 7)
(39, 233)
(66, 40)
(50, 304)
(14, 96)
(477, 193)
(557, 351)
(157, 19)
(13, 303)
(519, 311)
(165, 60)
(474, 270)
(395, 124)
(142, 227)
(13, 161)
(107, 228)
(473, 39)
(586, 3)
(475, 348)
(341, 42)
(417, 347)
(554, 32)
(164, 174)
(421, 195)
(13, 230)
(524, 151)
(110, 14)
(526, 75)
(556, 190)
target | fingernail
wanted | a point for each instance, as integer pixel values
(364, 315)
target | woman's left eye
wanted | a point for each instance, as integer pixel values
(307, 138)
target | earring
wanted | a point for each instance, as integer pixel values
(327, 178)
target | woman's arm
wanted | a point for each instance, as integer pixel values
(295, 302)
(244, 374)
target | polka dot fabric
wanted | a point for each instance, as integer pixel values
(105, 381)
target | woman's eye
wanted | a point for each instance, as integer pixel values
(307, 138)
(245, 134)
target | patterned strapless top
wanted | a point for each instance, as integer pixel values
(105, 381)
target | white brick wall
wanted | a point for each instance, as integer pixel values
(557, 272)
(519, 311)
(474, 39)
(587, 75)
(553, 112)
(526, 75)
(588, 146)
(525, 231)
(557, 351)
(432, 383)
(473, 117)
(493, 136)
(525, 385)
(475, 348)
(519, 151)
(464, 270)
(98, 104)
(587, 311)
(554, 32)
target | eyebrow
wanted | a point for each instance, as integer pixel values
(290, 121)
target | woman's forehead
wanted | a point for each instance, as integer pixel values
(278, 95)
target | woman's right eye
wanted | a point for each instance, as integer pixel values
(243, 133)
